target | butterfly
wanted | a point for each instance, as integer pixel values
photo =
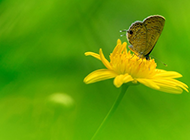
(143, 35)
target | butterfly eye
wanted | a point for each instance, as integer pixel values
(131, 32)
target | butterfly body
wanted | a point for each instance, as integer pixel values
(143, 35)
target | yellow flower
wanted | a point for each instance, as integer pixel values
(125, 68)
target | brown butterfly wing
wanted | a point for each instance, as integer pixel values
(154, 26)
(136, 35)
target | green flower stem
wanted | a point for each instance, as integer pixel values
(112, 110)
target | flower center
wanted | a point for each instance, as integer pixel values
(124, 62)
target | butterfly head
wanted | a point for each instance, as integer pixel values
(132, 31)
(129, 34)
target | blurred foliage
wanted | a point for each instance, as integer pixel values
(42, 45)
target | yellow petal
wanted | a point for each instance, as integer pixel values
(104, 60)
(99, 75)
(171, 83)
(119, 41)
(148, 83)
(116, 48)
(120, 79)
(169, 88)
(93, 54)
(167, 74)
(127, 78)
(123, 47)
(180, 84)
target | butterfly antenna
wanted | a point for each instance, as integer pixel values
(123, 30)
(123, 35)
(161, 61)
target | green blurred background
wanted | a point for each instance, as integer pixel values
(42, 67)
